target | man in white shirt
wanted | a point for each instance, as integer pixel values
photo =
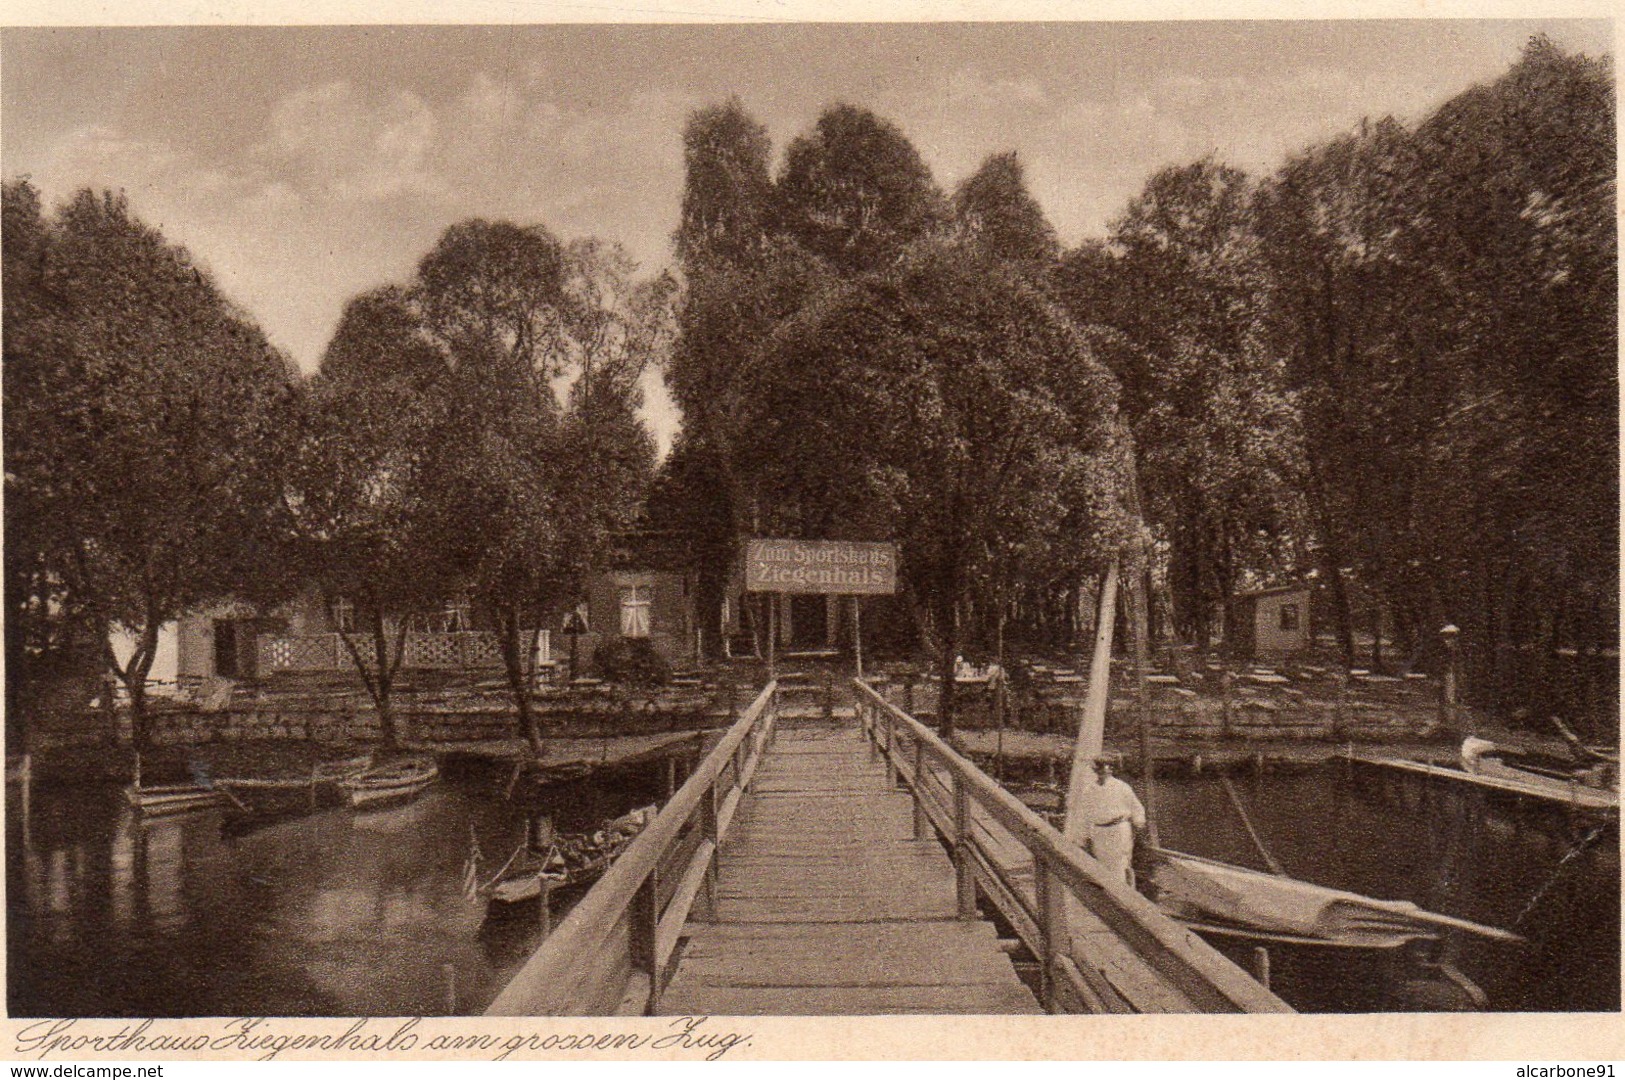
(1116, 815)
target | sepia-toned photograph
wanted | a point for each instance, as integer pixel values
(810, 519)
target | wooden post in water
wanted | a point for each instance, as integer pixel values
(544, 914)
(671, 775)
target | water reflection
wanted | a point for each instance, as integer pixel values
(340, 912)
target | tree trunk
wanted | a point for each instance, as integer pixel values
(518, 681)
(134, 677)
(383, 700)
(947, 655)
(1140, 601)
(1342, 611)
(379, 681)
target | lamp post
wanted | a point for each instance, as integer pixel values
(1448, 634)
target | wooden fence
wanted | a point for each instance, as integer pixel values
(611, 954)
(1101, 946)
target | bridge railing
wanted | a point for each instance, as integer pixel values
(1073, 916)
(612, 953)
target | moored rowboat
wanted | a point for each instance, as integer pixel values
(394, 781)
(172, 798)
(260, 799)
(571, 860)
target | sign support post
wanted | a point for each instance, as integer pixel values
(827, 567)
(857, 634)
(772, 633)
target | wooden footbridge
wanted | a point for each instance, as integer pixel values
(849, 862)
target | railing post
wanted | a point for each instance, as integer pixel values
(645, 927)
(1051, 927)
(891, 742)
(545, 915)
(920, 820)
(708, 831)
(964, 869)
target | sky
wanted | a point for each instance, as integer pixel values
(303, 165)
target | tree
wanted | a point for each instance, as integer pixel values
(1003, 220)
(741, 280)
(727, 189)
(1329, 223)
(944, 404)
(538, 486)
(854, 192)
(375, 424)
(1444, 300)
(147, 420)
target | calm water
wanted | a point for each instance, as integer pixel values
(340, 913)
(347, 913)
(1450, 857)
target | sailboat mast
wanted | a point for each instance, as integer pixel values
(1092, 724)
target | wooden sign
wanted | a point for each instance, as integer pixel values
(843, 567)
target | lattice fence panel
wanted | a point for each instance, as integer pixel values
(480, 649)
(314, 653)
(432, 651)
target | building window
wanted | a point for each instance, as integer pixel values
(343, 616)
(635, 611)
(1289, 616)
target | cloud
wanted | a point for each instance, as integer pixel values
(969, 88)
(331, 142)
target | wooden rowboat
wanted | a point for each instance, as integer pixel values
(396, 781)
(261, 799)
(572, 860)
(158, 799)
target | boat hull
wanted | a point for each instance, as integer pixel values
(390, 784)
(172, 799)
(1334, 977)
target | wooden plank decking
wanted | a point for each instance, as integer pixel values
(826, 905)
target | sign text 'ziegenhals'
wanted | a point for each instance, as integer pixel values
(820, 566)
